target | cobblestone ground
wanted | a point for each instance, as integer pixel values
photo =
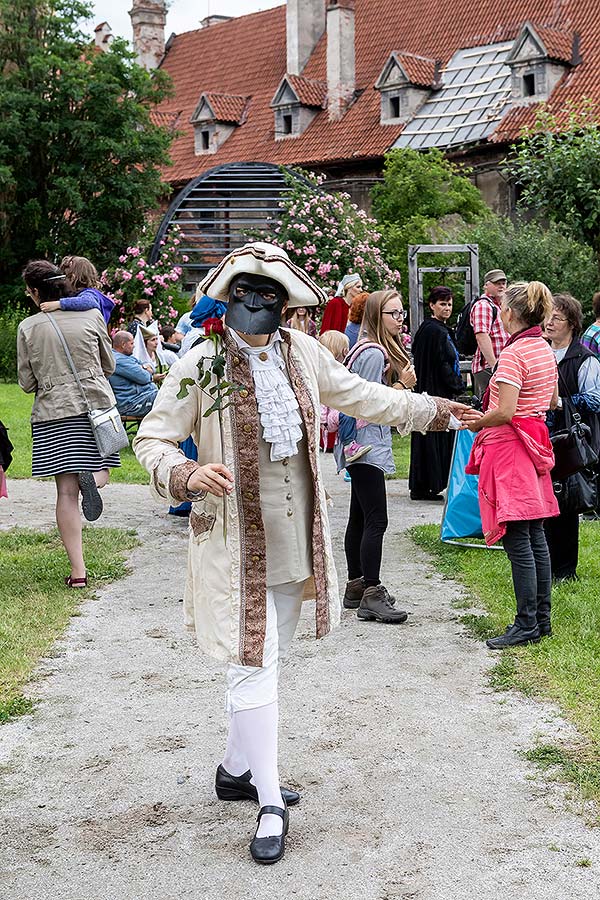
(412, 778)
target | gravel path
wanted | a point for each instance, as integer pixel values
(410, 767)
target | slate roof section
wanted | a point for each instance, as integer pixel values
(247, 56)
(473, 97)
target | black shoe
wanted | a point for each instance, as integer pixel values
(353, 593)
(267, 850)
(91, 501)
(435, 497)
(513, 637)
(238, 787)
(545, 629)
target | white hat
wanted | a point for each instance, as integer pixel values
(347, 280)
(260, 258)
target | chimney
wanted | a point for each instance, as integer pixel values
(103, 36)
(305, 23)
(148, 18)
(207, 21)
(341, 74)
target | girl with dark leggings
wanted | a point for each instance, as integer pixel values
(382, 359)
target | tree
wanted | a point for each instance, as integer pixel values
(418, 190)
(79, 154)
(558, 168)
(328, 236)
(528, 252)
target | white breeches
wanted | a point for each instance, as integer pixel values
(249, 687)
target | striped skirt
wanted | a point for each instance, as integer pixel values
(67, 445)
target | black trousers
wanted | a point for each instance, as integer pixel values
(367, 523)
(526, 548)
(562, 534)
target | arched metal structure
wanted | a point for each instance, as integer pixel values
(216, 211)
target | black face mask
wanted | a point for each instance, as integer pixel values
(255, 304)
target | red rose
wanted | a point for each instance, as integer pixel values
(213, 326)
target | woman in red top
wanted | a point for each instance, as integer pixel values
(513, 456)
(335, 315)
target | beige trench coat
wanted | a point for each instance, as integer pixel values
(225, 595)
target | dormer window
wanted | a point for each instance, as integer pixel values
(296, 102)
(404, 84)
(539, 58)
(215, 119)
(529, 85)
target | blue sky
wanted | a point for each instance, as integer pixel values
(183, 15)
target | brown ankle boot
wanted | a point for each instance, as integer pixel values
(377, 605)
(353, 593)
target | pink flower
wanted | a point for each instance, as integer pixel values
(122, 259)
(185, 258)
(140, 276)
(126, 276)
(133, 251)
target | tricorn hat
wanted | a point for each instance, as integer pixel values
(260, 258)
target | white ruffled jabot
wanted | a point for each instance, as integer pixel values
(278, 408)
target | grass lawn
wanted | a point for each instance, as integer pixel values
(35, 604)
(15, 411)
(401, 451)
(564, 668)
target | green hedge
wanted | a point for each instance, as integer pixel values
(9, 322)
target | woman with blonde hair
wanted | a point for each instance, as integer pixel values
(301, 320)
(513, 457)
(378, 356)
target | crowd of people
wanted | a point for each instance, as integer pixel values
(247, 472)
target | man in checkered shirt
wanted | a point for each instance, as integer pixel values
(488, 328)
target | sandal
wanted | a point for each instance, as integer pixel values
(91, 501)
(76, 582)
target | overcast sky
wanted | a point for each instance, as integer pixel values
(183, 15)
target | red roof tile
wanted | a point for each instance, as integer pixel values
(247, 56)
(228, 107)
(420, 69)
(165, 118)
(310, 92)
(558, 44)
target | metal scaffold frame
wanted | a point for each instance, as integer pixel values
(416, 272)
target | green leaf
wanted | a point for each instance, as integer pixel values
(184, 384)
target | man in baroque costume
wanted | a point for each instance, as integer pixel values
(259, 531)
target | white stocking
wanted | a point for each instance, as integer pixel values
(235, 761)
(257, 731)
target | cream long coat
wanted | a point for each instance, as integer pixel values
(225, 595)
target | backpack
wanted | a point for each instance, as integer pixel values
(358, 349)
(464, 336)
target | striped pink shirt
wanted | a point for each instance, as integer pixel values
(529, 365)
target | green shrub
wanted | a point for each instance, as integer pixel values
(9, 322)
(527, 251)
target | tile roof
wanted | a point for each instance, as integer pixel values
(420, 69)
(309, 91)
(166, 118)
(247, 56)
(558, 43)
(228, 107)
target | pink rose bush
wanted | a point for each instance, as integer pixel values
(328, 236)
(135, 278)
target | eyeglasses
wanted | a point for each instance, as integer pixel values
(555, 319)
(397, 314)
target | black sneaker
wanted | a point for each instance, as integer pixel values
(514, 636)
(91, 501)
